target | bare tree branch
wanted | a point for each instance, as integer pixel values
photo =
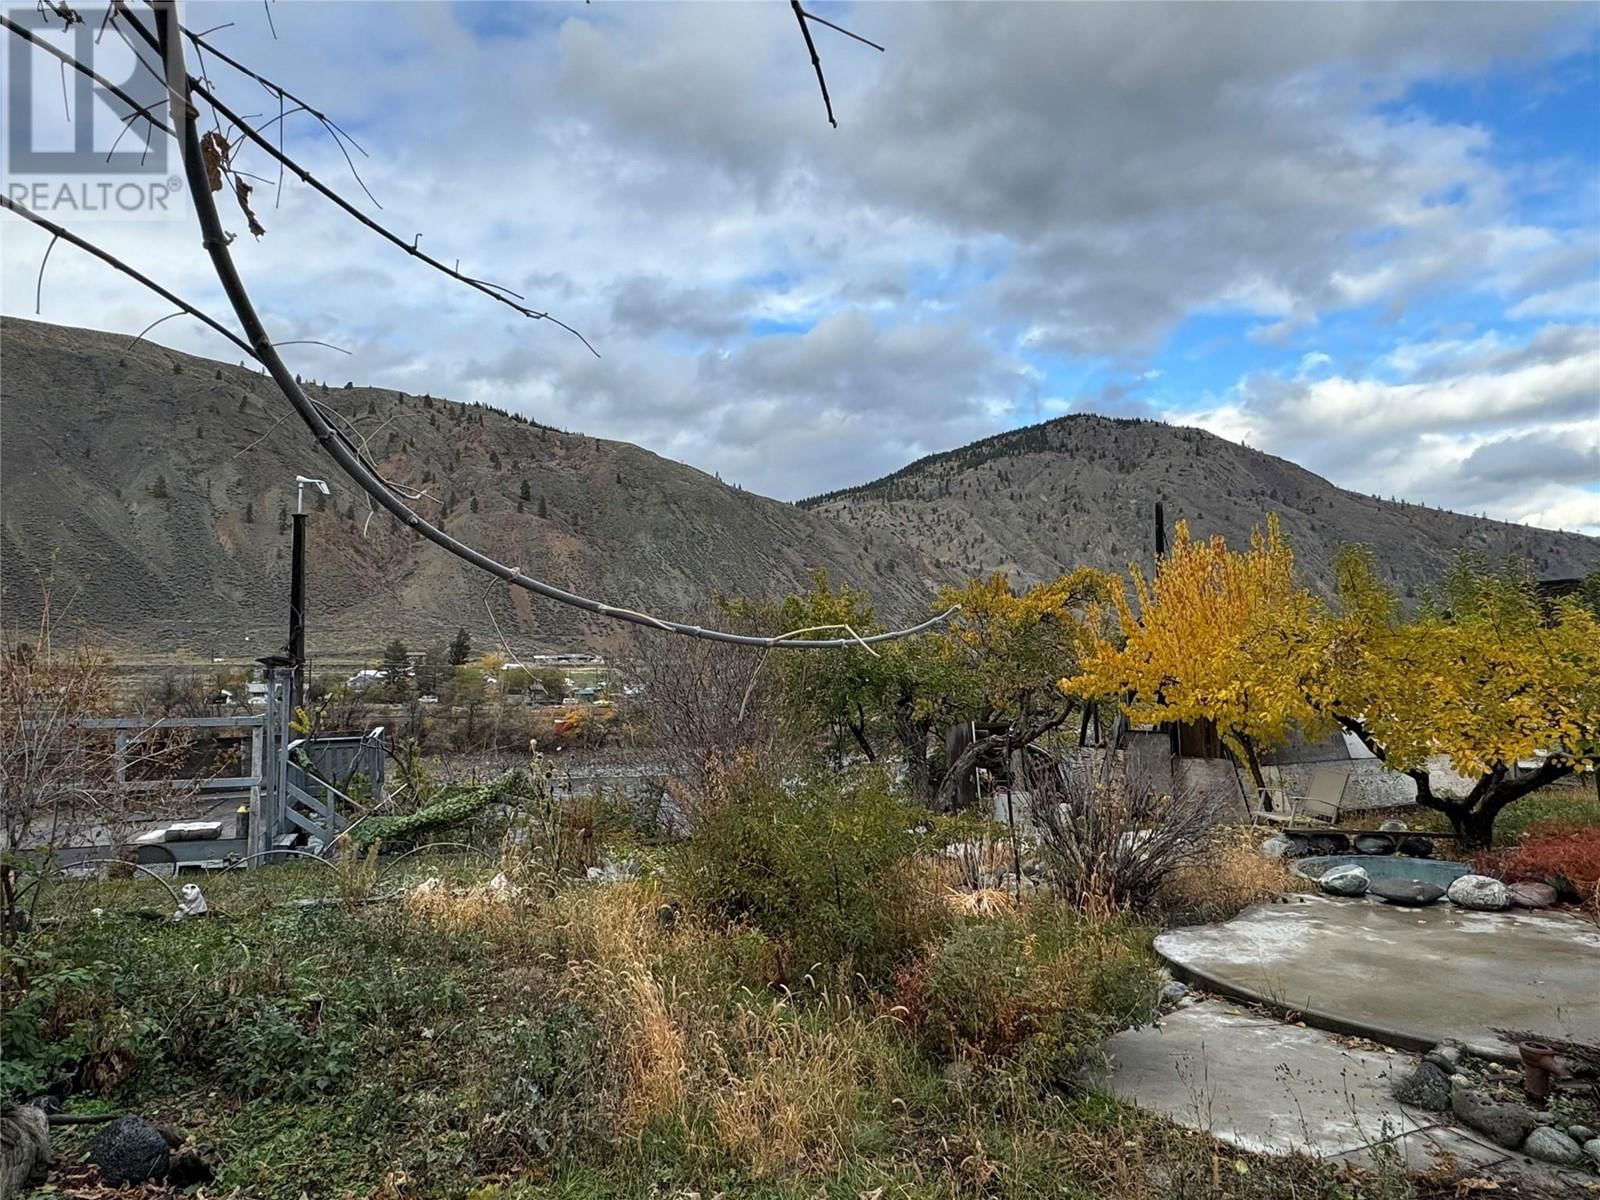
(802, 16)
(166, 42)
(117, 264)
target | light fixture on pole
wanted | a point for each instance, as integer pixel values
(300, 482)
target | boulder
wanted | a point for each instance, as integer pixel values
(1416, 847)
(1374, 843)
(1581, 1133)
(130, 1150)
(1278, 846)
(1446, 1056)
(1531, 895)
(1412, 893)
(1549, 1144)
(1393, 826)
(1329, 843)
(1592, 1149)
(25, 1158)
(1479, 893)
(1427, 1087)
(1504, 1124)
(1348, 880)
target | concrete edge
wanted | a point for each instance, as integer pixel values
(1327, 1021)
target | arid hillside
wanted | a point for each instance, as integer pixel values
(1082, 489)
(159, 485)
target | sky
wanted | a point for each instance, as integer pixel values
(1363, 237)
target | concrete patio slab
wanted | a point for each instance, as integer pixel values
(1259, 1084)
(1273, 1088)
(1403, 976)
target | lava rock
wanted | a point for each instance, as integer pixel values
(130, 1150)
(1581, 1133)
(1393, 826)
(1416, 847)
(1479, 893)
(1446, 1056)
(1592, 1149)
(1549, 1144)
(1411, 893)
(1532, 895)
(1329, 843)
(1374, 843)
(1427, 1087)
(1504, 1124)
(1345, 881)
(1278, 846)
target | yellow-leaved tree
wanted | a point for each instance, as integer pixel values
(1506, 685)
(1223, 635)
(1002, 654)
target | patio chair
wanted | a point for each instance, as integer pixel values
(1272, 810)
(1324, 798)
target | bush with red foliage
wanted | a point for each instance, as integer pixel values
(1564, 855)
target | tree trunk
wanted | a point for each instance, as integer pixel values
(1252, 762)
(1012, 740)
(1472, 816)
(858, 730)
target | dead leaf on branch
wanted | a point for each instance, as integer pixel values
(241, 193)
(214, 151)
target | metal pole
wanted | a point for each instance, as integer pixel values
(1161, 529)
(297, 611)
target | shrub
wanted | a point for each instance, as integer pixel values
(825, 865)
(1042, 986)
(1111, 846)
(1565, 855)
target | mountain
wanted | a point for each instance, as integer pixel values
(160, 485)
(155, 489)
(1082, 490)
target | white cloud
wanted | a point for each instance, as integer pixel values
(1069, 182)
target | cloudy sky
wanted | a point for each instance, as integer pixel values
(1364, 237)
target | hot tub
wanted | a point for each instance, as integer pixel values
(1425, 870)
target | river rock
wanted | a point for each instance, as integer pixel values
(1549, 1144)
(1416, 847)
(130, 1150)
(1374, 843)
(1329, 843)
(1427, 1087)
(1277, 846)
(1393, 826)
(1479, 893)
(1532, 895)
(1504, 1124)
(1412, 893)
(1592, 1149)
(1581, 1133)
(1348, 880)
(1446, 1056)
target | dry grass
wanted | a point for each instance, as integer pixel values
(777, 1080)
(985, 902)
(790, 1093)
(485, 907)
(1229, 874)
